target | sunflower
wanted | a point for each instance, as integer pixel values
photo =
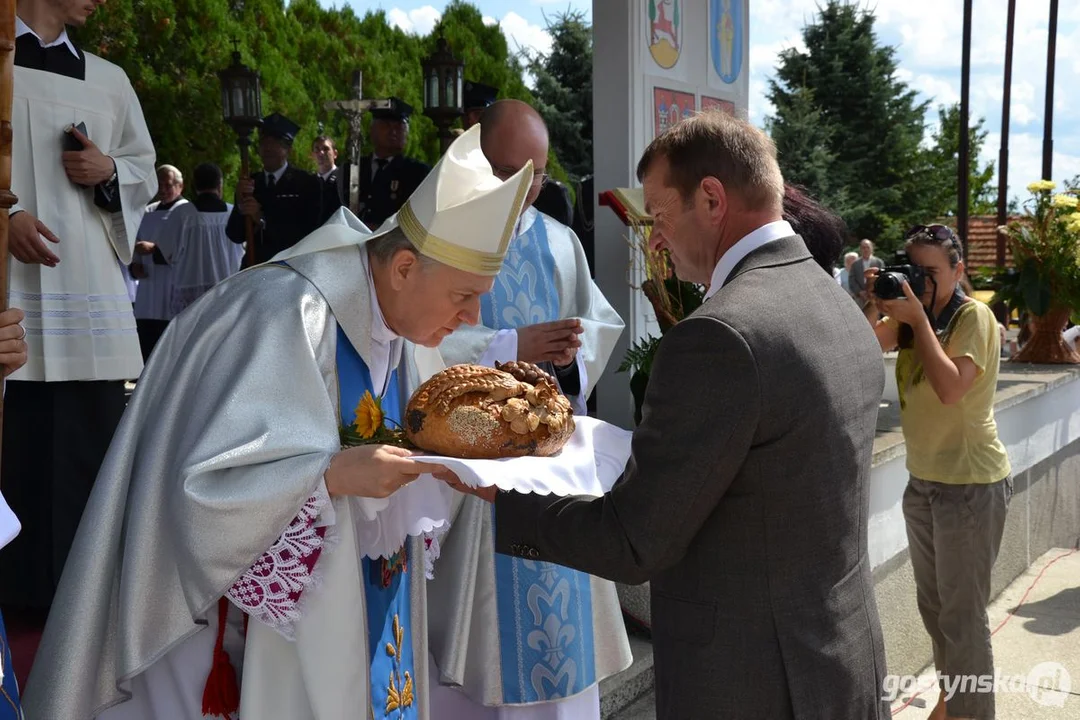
(369, 416)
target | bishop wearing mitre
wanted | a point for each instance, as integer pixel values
(229, 535)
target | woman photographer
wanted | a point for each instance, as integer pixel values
(955, 501)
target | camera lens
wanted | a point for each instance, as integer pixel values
(887, 286)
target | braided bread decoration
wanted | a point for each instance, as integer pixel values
(471, 411)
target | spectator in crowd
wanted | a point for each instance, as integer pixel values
(857, 273)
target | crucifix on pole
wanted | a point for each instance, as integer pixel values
(353, 110)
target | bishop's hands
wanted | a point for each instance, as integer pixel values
(555, 342)
(375, 471)
(25, 233)
(12, 341)
(249, 206)
(89, 166)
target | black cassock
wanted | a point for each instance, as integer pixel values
(383, 195)
(294, 207)
(57, 433)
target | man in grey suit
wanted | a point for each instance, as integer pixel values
(745, 499)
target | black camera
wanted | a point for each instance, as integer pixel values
(889, 284)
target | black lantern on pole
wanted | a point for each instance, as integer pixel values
(443, 79)
(241, 108)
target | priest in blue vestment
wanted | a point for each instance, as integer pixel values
(226, 495)
(514, 639)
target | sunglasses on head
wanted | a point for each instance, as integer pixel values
(940, 233)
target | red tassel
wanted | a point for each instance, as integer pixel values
(221, 696)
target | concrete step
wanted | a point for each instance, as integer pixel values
(643, 709)
(620, 692)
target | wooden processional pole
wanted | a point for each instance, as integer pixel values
(7, 199)
(249, 222)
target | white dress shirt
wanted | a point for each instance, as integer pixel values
(277, 174)
(375, 163)
(22, 28)
(762, 236)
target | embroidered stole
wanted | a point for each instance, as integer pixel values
(386, 581)
(545, 610)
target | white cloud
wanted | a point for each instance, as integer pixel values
(523, 35)
(1025, 160)
(927, 36)
(520, 33)
(419, 21)
(1021, 114)
(938, 89)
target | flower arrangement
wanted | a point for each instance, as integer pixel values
(1045, 246)
(672, 300)
(371, 426)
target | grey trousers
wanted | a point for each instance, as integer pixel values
(954, 534)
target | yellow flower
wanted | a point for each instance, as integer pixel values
(1064, 201)
(1041, 185)
(369, 416)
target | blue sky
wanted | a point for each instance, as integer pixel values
(927, 36)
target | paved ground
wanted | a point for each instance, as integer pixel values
(1036, 647)
(1036, 644)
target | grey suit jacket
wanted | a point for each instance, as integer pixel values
(745, 503)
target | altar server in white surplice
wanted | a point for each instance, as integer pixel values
(81, 196)
(513, 639)
(153, 301)
(194, 243)
(226, 490)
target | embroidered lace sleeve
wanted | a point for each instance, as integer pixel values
(270, 591)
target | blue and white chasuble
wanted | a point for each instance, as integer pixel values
(545, 610)
(511, 631)
(386, 585)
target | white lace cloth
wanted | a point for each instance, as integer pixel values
(416, 509)
(589, 464)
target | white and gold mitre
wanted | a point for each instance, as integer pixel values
(462, 215)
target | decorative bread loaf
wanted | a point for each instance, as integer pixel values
(471, 411)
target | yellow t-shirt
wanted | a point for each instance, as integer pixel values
(958, 443)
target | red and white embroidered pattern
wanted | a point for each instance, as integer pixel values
(270, 591)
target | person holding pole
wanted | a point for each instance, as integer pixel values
(284, 202)
(83, 169)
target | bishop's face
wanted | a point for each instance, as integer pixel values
(430, 300)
